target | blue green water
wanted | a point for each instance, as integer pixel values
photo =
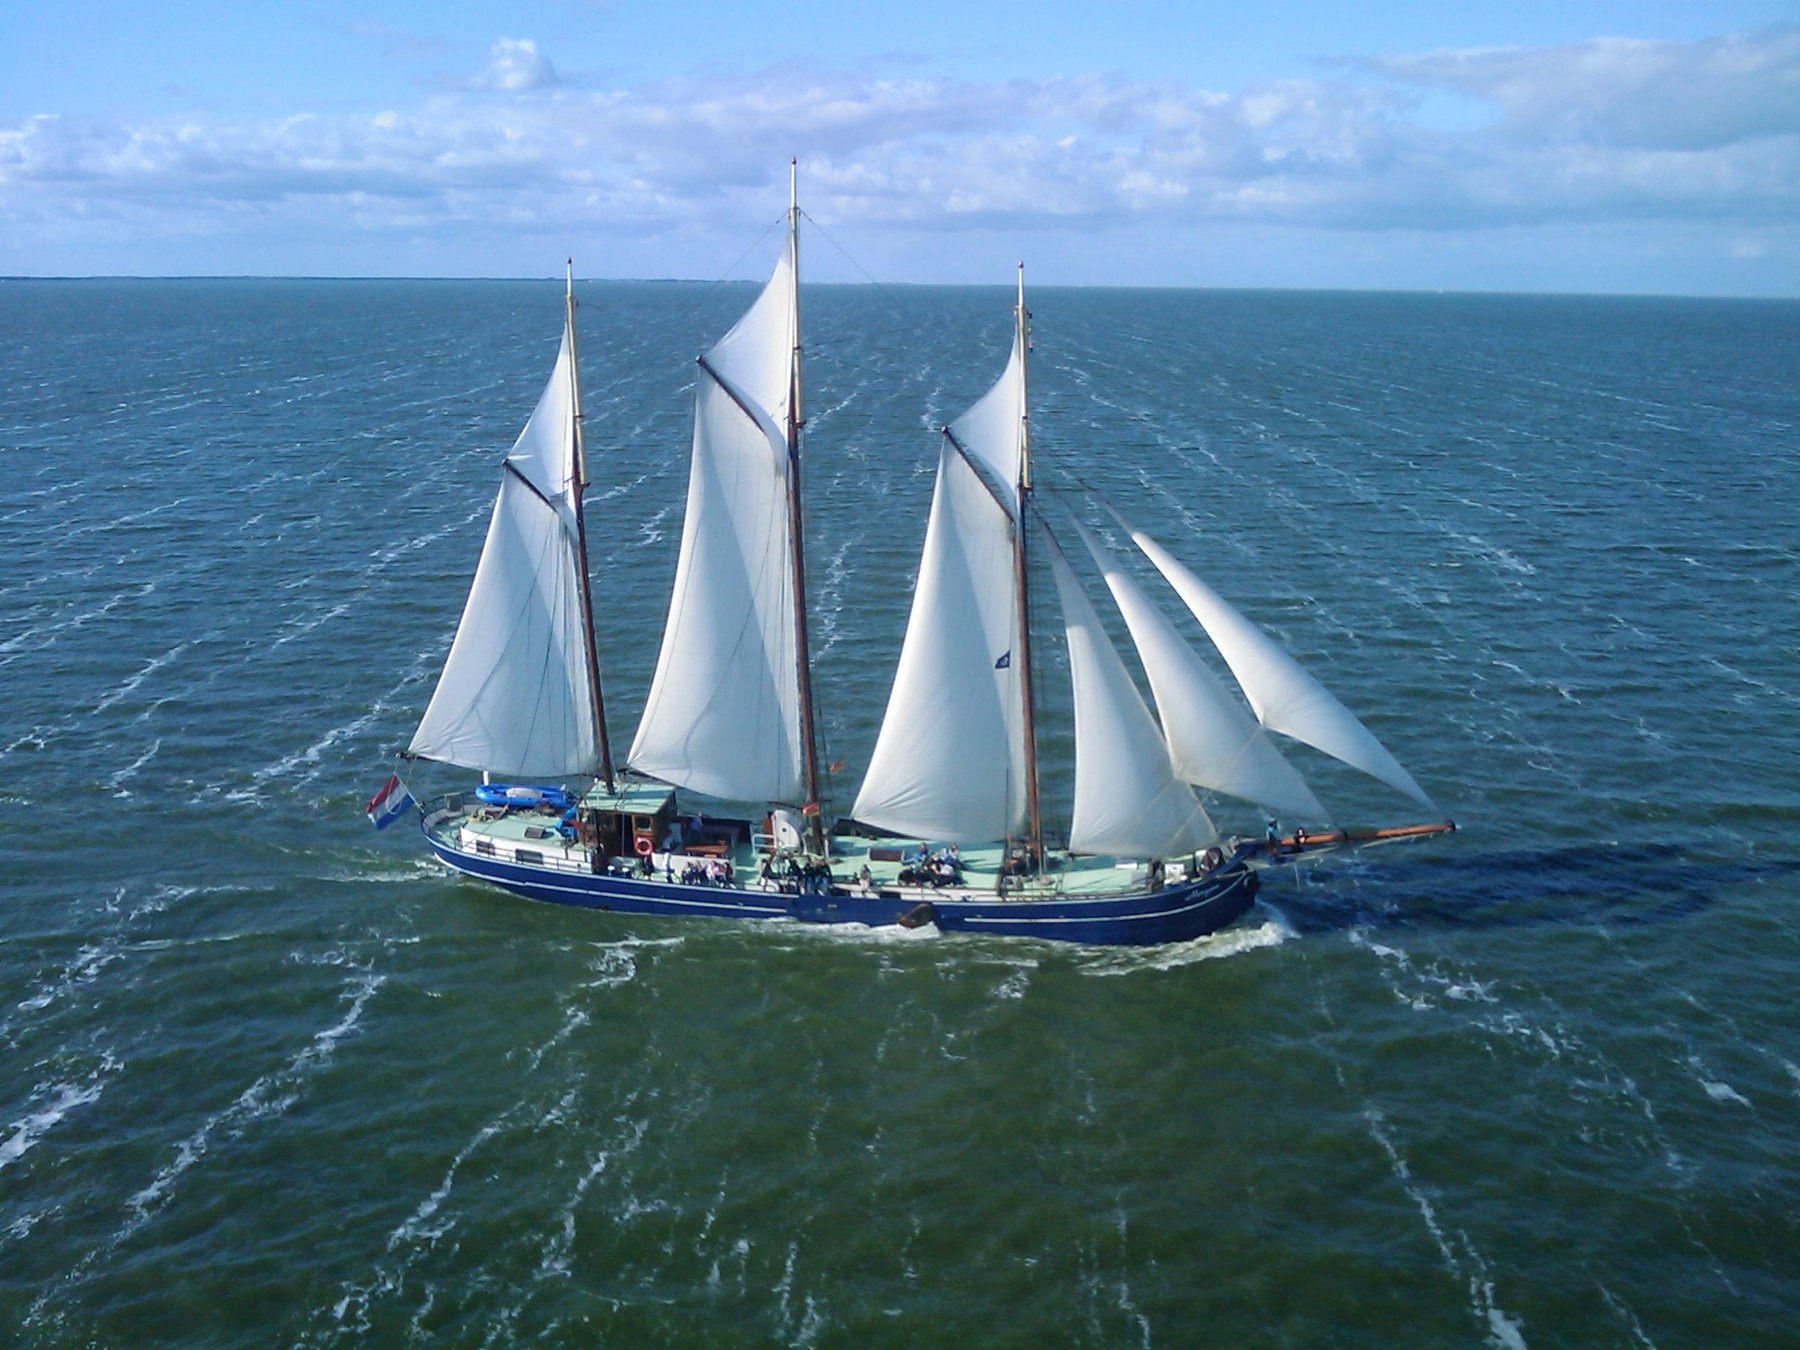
(267, 1077)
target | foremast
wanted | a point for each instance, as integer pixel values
(589, 641)
(813, 809)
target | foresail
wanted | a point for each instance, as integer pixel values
(1285, 697)
(723, 715)
(515, 696)
(1127, 798)
(949, 764)
(1213, 741)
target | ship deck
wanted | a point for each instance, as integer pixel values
(530, 836)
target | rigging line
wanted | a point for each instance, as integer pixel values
(848, 257)
(913, 321)
(697, 299)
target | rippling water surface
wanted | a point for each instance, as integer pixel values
(268, 1077)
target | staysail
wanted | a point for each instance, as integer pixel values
(1286, 698)
(516, 696)
(1127, 798)
(724, 711)
(1213, 740)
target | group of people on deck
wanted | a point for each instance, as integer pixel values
(940, 867)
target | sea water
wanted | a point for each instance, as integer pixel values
(267, 1076)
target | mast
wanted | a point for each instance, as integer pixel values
(581, 482)
(1035, 842)
(814, 814)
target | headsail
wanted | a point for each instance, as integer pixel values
(1285, 697)
(1127, 798)
(516, 695)
(723, 716)
(1213, 740)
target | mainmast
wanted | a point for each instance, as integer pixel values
(1035, 841)
(814, 811)
(581, 482)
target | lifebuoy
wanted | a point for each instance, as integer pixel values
(644, 847)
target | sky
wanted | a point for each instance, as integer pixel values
(1647, 146)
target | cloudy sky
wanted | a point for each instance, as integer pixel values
(1568, 145)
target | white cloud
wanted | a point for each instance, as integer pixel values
(1605, 131)
(516, 66)
(1629, 93)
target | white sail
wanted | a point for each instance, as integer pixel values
(949, 764)
(993, 430)
(1285, 697)
(514, 697)
(723, 715)
(1127, 798)
(1213, 740)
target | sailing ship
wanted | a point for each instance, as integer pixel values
(948, 826)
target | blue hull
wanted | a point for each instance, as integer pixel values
(1176, 913)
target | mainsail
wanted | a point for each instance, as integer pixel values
(950, 762)
(517, 694)
(1285, 697)
(725, 708)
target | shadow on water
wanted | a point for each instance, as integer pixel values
(1613, 886)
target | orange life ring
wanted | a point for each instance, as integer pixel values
(644, 847)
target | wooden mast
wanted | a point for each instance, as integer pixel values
(587, 594)
(1035, 842)
(813, 810)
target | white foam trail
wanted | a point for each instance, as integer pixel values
(1716, 1088)
(53, 632)
(416, 1228)
(87, 963)
(1227, 942)
(64, 1098)
(299, 628)
(1793, 1071)
(555, 1261)
(1505, 1330)
(270, 1095)
(1622, 1310)
(125, 689)
(118, 780)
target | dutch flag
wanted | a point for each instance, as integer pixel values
(388, 805)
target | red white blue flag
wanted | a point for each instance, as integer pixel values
(388, 805)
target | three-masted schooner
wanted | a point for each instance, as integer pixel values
(948, 826)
